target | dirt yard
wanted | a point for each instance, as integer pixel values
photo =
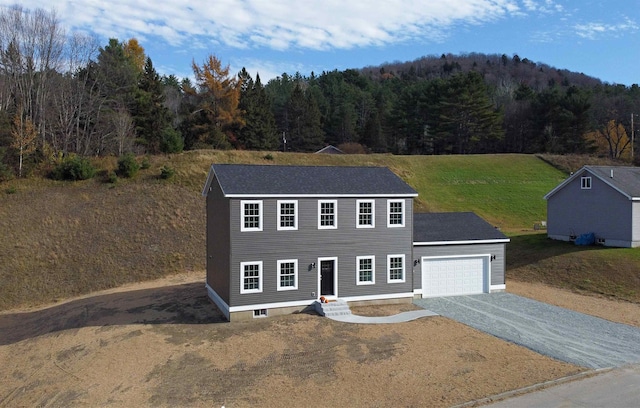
(162, 343)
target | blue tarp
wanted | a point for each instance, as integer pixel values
(586, 239)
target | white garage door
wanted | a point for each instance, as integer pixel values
(453, 276)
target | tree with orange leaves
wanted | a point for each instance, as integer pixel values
(217, 112)
(134, 51)
(612, 141)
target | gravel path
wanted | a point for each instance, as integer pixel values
(550, 330)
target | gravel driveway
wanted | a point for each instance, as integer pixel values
(550, 330)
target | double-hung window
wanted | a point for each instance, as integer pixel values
(251, 277)
(585, 183)
(366, 210)
(366, 270)
(395, 213)
(251, 215)
(395, 268)
(287, 215)
(288, 274)
(327, 214)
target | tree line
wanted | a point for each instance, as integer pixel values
(63, 94)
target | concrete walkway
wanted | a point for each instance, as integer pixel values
(397, 318)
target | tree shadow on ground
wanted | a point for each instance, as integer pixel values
(529, 249)
(178, 304)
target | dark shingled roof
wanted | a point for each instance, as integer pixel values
(453, 226)
(248, 180)
(625, 179)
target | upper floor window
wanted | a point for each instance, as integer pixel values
(251, 217)
(251, 277)
(366, 210)
(395, 268)
(327, 214)
(366, 270)
(287, 215)
(585, 183)
(395, 213)
(288, 274)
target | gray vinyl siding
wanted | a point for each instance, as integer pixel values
(601, 210)
(497, 265)
(218, 242)
(308, 243)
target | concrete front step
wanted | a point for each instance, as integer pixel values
(332, 309)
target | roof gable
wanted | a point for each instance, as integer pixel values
(248, 180)
(623, 179)
(459, 227)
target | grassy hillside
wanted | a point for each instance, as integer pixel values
(60, 239)
(506, 190)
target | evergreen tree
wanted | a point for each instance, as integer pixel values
(305, 132)
(467, 119)
(152, 118)
(259, 131)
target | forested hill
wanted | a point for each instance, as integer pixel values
(91, 100)
(497, 70)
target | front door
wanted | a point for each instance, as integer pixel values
(327, 277)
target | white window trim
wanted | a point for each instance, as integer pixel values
(373, 270)
(404, 211)
(585, 183)
(242, 215)
(295, 274)
(295, 215)
(246, 291)
(335, 214)
(373, 214)
(404, 268)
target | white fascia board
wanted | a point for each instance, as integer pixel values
(245, 308)
(207, 184)
(321, 195)
(378, 297)
(477, 241)
(222, 305)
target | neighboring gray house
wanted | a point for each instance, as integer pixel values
(281, 237)
(603, 200)
(330, 150)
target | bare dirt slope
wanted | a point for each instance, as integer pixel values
(162, 343)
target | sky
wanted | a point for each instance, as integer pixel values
(270, 37)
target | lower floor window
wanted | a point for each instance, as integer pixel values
(288, 274)
(365, 267)
(395, 265)
(251, 273)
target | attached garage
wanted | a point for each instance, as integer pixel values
(454, 275)
(457, 254)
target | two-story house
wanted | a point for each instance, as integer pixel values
(281, 237)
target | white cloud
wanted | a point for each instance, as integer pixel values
(278, 24)
(594, 30)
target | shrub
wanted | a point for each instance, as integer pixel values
(268, 156)
(167, 172)
(127, 166)
(145, 163)
(171, 141)
(112, 177)
(11, 190)
(73, 168)
(5, 171)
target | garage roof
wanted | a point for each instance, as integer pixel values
(454, 228)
